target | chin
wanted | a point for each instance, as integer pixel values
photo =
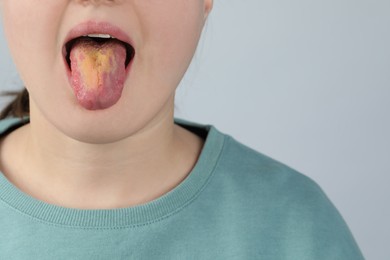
(97, 131)
(104, 134)
(123, 120)
(101, 127)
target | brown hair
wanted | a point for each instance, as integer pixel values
(19, 107)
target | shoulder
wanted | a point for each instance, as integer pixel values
(278, 198)
(267, 180)
(262, 173)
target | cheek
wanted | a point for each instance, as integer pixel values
(171, 30)
(30, 30)
(16, 28)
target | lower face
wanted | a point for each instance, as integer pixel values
(163, 34)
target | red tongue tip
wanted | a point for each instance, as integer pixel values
(98, 73)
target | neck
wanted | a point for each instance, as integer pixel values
(70, 173)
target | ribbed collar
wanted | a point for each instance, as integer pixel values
(153, 211)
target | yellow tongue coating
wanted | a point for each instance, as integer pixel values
(94, 64)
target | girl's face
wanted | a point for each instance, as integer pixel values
(163, 33)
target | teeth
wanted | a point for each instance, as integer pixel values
(99, 35)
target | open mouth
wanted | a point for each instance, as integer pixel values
(100, 40)
(98, 66)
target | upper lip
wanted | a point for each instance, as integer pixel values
(93, 27)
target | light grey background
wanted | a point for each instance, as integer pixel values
(307, 83)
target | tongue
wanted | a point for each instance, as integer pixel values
(98, 72)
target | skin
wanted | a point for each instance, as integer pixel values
(127, 154)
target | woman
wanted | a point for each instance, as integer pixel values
(99, 169)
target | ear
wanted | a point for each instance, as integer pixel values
(208, 6)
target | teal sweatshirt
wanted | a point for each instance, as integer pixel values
(235, 204)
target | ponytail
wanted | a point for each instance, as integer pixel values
(19, 107)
